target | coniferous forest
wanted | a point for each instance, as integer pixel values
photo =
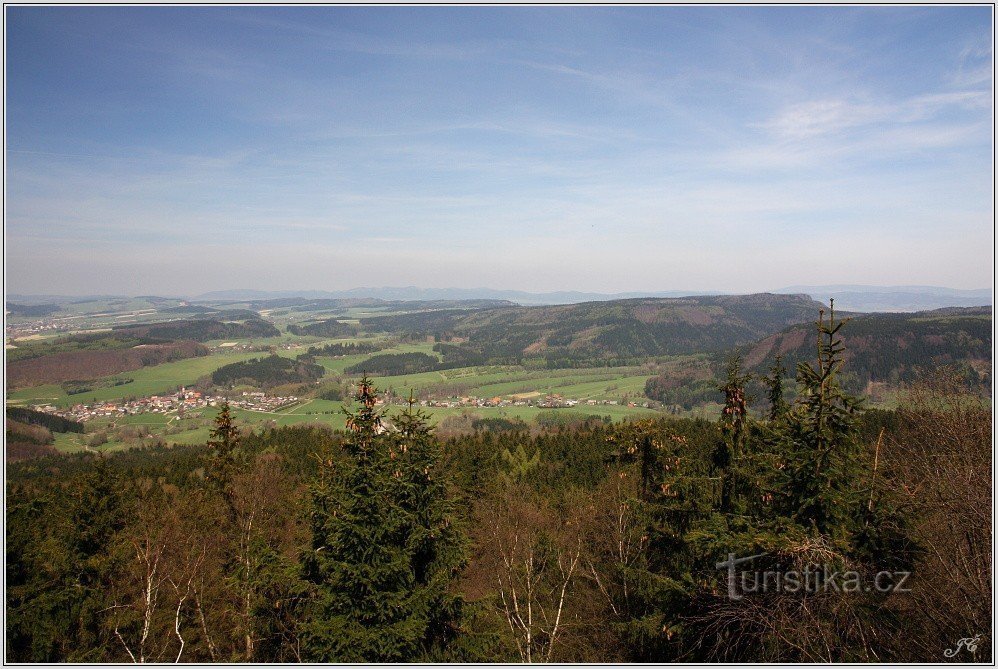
(580, 542)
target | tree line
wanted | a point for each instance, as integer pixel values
(273, 370)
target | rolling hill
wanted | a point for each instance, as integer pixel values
(86, 356)
(569, 335)
(200, 330)
(890, 348)
(84, 364)
(327, 328)
(414, 293)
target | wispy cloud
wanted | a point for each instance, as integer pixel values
(550, 149)
(826, 117)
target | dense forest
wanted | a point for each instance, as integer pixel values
(327, 328)
(885, 350)
(24, 441)
(86, 386)
(94, 341)
(392, 364)
(33, 310)
(893, 348)
(272, 370)
(620, 332)
(201, 329)
(339, 349)
(79, 358)
(676, 390)
(28, 433)
(47, 420)
(580, 542)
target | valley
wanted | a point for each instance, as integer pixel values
(130, 382)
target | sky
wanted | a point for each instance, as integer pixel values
(175, 151)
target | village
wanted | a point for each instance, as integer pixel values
(35, 330)
(178, 403)
(552, 401)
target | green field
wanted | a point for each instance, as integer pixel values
(316, 412)
(583, 384)
(284, 338)
(146, 381)
(486, 381)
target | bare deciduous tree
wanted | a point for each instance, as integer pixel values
(535, 557)
(940, 462)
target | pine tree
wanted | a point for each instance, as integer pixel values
(774, 385)
(823, 459)
(64, 554)
(434, 543)
(733, 424)
(384, 547)
(224, 440)
(518, 465)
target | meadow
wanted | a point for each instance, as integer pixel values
(609, 384)
(146, 381)
(609, 389)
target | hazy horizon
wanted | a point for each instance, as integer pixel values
(359, 291)
(177, 151)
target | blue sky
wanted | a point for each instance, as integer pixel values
(181, 150)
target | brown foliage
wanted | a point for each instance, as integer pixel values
(25, 432)
(84, 365)
(26, 450)
(942, 459)
(825, 624)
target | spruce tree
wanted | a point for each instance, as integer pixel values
(384, 547)
(774, 389)
(434, 543)
(98, 516)
(824, 462)
(65, 552)
(224, 440)
(733, 424)
(517, 465)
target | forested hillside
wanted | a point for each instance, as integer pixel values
(892, 348)
(28, 434)
(327, 328)
(82, 364)
(349, 348)
(91, 355)
(570, 335)
(261, 300)
(31, 309)
(201, 329)
(269, 371)
(392, 364)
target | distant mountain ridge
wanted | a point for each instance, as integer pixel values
(848, 297)
(869, 299)
(410, 293)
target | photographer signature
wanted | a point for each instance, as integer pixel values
(970, 643)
